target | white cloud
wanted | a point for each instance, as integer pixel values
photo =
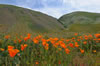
(72, 5)
(55, 12)
(83, 4)
(64, 7)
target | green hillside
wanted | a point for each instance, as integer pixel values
(17, 19)
(81, 21)
(85, 27)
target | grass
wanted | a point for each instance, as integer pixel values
(85, 28)
(12, 17)
(39, 50)
(79, 17)
(55, 47)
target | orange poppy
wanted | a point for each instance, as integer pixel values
(10, 47)
(35, 41)
(71, 45)
(67, 51)
(97, 35)
(59, 62)
(19, 40)
(76, 34)
(36, 62)
(2, 49)
(63, 45)
(76, 44)
(25, 38)
(7, 37)
(85, 42)
(12, 52)
(82, 51)
(23, 46)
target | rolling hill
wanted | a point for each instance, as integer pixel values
(81, 21)
(18, 19)
(14, 19)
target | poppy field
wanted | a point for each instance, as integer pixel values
(30, 50)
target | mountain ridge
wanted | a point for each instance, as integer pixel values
(26, 20)
(77, 21)
(18, 19)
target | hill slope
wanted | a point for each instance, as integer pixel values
(17, 19)
(79, 21)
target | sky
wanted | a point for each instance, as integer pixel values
(57, 8)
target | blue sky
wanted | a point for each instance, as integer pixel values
(57, 8)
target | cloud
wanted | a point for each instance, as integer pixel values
(67, 6)
(90, 5)
(57, 8)
(55, 12)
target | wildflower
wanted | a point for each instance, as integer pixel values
(36, 62)
(26, 38)
(94, 51)
(55, 39)
(43, 43)
(67, 51)
(44, 40)
(2, 49)
(98, 39)
(28, 34)
(97, 35)
(10, 47)
(63, 45)
(86, 38)
(35, 41)
(82, 51)
(39, 37)
(47, 44)
(71, 45)
(67, 40)
(78, 39)
(90, 36)
(76, 44)
(19, 40)
(76, 34)
(84, 42)
(73, 38)
(46, 47)
(12, 52)
(94, 39)
(21, 37)
(59, 62)
(7, 37)
(23, 46)
(56, 45)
